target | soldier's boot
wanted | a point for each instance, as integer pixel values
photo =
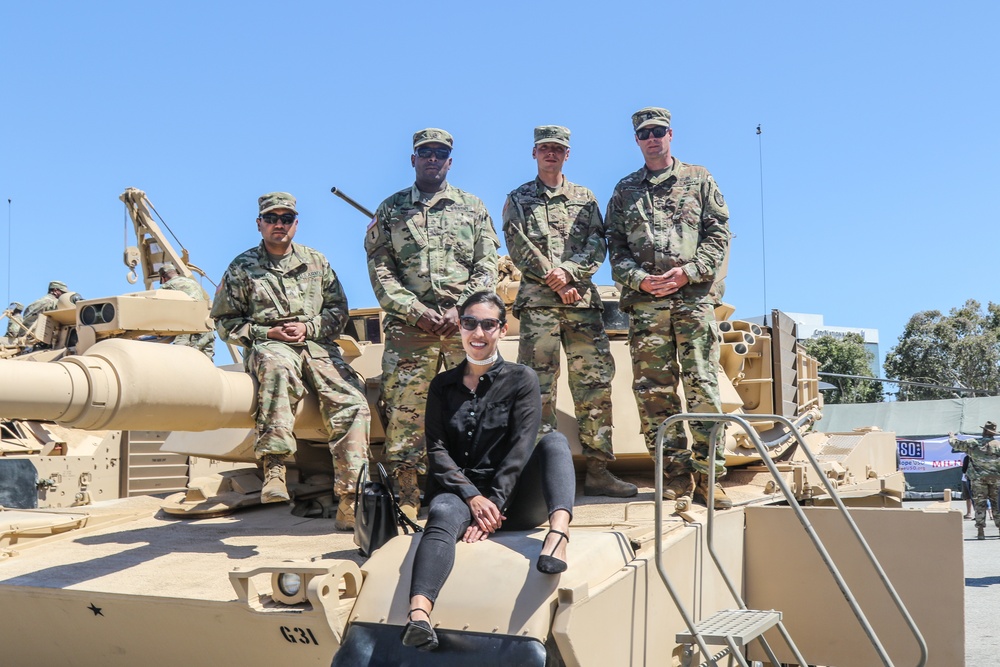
(677, 480)
(722, 501)
(601, 482)
(409, 492)
(980, 533)
(274, 490)
(345, 512)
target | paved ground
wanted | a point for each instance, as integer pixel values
(982, 591)
(982, 595)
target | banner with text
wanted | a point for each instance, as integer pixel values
(928, 455)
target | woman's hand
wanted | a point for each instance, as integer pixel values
(474, 534)
(485, 514)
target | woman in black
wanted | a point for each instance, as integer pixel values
(485, 471)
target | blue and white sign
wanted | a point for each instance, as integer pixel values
(928, 455)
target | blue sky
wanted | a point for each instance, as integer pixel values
(878, 149)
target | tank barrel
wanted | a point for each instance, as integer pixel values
(340, 193)
(128, 384)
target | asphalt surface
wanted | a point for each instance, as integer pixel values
(982, 593)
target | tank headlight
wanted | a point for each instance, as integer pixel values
(290, 583)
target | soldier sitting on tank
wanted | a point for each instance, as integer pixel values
(170, 278)
(485, 471)
(14, 329)
(983, 472)
(284, 304)
(48, 302)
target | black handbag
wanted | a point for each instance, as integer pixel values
(377, 516)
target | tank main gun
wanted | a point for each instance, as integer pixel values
(128, 384)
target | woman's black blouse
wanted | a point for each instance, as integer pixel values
(479, 442)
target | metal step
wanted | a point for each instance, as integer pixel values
(740, 625)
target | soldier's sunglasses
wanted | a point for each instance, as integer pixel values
(659, 132)
(469, 323)
(273, 218)
(440, 153)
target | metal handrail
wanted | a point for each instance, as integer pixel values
(743, 422)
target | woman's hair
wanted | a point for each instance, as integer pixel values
(487, 297)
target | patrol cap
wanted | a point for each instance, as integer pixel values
(59, 285)
(433, 135)
(273, 200)
(168, 266)
(15, 307)
(552, 134)
(650, 116)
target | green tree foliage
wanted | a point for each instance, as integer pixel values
(847, 356)
(960, 349)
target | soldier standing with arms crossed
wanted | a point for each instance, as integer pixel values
(284, 304)
(668, 236)
(430, 246)
(555, 235)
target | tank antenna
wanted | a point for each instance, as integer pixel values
(763, 246)
(8, 249)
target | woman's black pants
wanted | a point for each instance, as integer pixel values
(547, 484)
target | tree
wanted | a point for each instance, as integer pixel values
(961, 349)
(846, 356)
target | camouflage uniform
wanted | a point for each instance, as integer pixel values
(423, 252)
(983, 473)
(205, 342)
(13, 328)
(48, 302)
(255, 295)
(562, 228)
(656, 222)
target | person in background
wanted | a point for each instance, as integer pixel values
(171, 279)
(983, 472)
(43, 305)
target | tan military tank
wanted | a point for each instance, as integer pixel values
(48, 465)
(650, 581)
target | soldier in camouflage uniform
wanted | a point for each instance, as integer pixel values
(983, 472)
(668, 236)
(48, 302)
(170, 278)
(555, 236)
(284, 304)
(13, 328)
(429, 246)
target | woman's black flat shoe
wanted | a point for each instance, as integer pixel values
(419, 634)
(550, 564)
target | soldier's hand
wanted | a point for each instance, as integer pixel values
(429, 321)
(654, 285)
(674, 279)
(449, 323)
(280, 332)
(296, 331)
(569, 295)
(558, 278)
